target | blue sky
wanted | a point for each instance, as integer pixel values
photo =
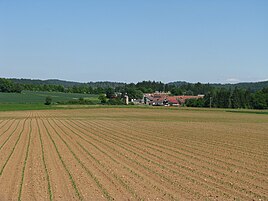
(130, 41)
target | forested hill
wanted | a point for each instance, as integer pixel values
(178, 83)
(253, 86)
(47, 82)
(102, 84)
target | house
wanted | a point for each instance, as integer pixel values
(137, 101)
(158, 99)
(162, 99)
(173, 101)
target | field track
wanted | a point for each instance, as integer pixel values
(133, 154)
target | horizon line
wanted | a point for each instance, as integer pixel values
(84, 82)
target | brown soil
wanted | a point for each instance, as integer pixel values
(133, 154)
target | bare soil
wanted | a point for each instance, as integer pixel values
(133, 154)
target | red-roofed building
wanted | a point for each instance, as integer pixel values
(172, 100)
(165, 100)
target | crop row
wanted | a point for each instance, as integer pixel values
(241, 189)
(125, 185)
(7, 127)
(189, 177)
(169, 180)
(212, 142)
(105, 192)
(44, 163)
(189, 150)
(13, 148)
(10, 135)
(25, 161)
(63, 163)
(184, 168)
(132, 171)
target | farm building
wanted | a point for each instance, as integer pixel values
(167, 100)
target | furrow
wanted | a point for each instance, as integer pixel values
(25, 161)
(44, 164)
(63, 163)
(108, 169)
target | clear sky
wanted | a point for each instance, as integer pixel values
(134, 40)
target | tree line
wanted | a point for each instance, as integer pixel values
(216, 96)
(232, 98)
(9, 86)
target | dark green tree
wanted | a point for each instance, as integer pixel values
(176, 91)
(235, 99)
(48, 100)
(102, 98)
(259, 100)
(110, 93)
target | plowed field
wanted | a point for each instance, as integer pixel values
(133, 154)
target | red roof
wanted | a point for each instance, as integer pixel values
(180, 99)
(159, 98)
(188, 97)
(172, 99)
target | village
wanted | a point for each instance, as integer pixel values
(161, 99)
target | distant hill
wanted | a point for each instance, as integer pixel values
(178, 83)
(47, 82)
(104, 84)
(254, 86)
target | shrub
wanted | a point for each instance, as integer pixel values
(115, 101)
(102, 99)
(48, 100)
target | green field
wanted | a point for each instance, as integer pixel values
(28, 100)
(29, 97)
(18, 107)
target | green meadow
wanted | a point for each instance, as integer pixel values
(29, 97)
(28, 100)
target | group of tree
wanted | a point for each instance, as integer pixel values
(232, 98)
(111, 97)
(218, 96)
(79, 101)
(9, 86)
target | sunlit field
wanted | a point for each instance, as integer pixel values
(131, 153)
